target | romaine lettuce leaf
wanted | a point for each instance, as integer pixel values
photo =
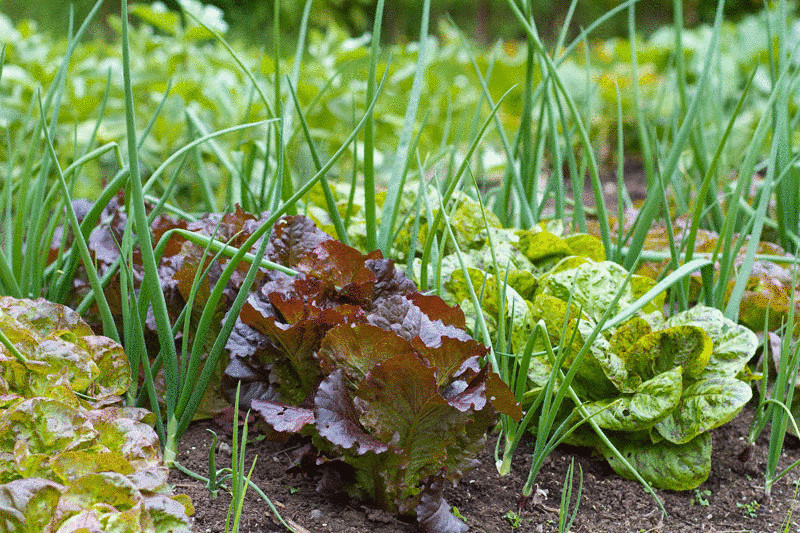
(673, 380)
(652, 401)
(687, 347)
(704, 405)
(734, 345)
(664, 465)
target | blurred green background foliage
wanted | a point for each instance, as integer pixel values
(485, 20)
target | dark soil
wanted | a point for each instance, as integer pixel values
(734, 502)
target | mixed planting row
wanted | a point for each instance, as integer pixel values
(575, 326)
(339, 346)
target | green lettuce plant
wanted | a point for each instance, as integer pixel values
(71, 456)
(655, 385)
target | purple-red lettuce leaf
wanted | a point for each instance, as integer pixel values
(390, 281)
(292, 238)
(232, 228)
(253, 376)
(449, 356)
(501, 397)
(295, 370)
(402, 316)
(437, 309)
(338, 417)
(179, 261)
(342, 268)
(386, 414)
(383, 378)
(283, 418)
(403, 408)
(433, 512)
(358, 348)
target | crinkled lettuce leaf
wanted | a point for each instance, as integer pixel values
(602, 373)
(70, 463)
(734, 345)
(594, 285)
(26, 505)
(57, 343)
(405, 413)
(109, 501)
(53, 439)
(651, 402)
(687, 347)
(545, 248)
(704, 405)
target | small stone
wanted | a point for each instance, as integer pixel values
(376, 515)
(224, 448)
(316, 514)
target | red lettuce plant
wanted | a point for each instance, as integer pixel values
(179, 258)
(181, 253)
(382, 377)
(347, 351)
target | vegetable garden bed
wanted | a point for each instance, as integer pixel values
(414, 307)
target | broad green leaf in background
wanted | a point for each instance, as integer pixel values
(158, 16)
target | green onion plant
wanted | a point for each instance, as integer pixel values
(235, 475)
(565, 518)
